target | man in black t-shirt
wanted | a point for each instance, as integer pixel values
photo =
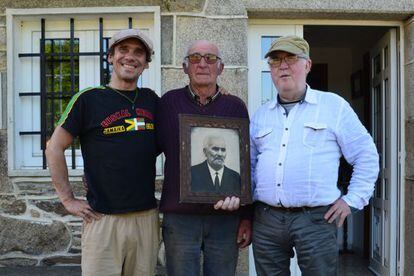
(115, 125)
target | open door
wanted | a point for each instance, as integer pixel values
(384, 90)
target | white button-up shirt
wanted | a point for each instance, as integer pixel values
(295, 158)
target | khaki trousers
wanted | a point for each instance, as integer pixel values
(121, 244)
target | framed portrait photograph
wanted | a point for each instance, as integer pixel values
(214, 159)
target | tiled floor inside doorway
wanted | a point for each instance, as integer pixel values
(353, 265)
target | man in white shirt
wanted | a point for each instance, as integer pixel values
(296, 143)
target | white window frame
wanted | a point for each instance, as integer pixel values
(14, 16)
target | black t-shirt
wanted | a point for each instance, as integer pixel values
(118, 146)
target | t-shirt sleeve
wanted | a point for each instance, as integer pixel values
(71, 119)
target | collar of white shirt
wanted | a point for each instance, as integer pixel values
(310, 97)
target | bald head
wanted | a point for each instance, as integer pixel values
(193, 48)
(203, 46)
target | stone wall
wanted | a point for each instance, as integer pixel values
(34, 227)
(222, 22)
(409, 147)
(328, 9)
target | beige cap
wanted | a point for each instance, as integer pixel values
(291, 44)
(132, 33)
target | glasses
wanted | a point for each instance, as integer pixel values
(196, 58)
(277, 61)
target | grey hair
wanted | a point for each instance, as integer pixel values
(207, 140)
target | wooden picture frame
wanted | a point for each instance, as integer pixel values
(211, 146)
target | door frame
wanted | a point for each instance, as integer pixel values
(400, 109)
(390, 159)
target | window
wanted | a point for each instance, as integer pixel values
(55, 55)
(260, 38)
(59, 75)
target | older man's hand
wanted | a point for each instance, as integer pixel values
(228, 204)
(244, 234)
(339, 211)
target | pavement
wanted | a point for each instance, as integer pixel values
(52, 271)
(41, 271)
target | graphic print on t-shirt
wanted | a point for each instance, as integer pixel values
(129, 124)
(135, 124)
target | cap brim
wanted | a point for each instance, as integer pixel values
(286, 49)
(147, 47)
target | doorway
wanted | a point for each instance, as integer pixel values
(344, 59)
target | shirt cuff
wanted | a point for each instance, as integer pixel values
(353, 201)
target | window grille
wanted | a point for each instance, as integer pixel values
(59, 79)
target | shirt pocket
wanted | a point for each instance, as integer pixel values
(262, 138)
(314, 134)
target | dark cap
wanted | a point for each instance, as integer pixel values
(290, 44)
(132, 33)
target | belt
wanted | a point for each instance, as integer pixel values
(291, 209)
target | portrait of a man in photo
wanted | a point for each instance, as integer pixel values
(212, 175)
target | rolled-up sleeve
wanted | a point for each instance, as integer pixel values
(359, 150)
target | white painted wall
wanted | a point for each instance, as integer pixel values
(339, 62)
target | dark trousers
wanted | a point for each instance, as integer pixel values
(186, 236)
(277, 231)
